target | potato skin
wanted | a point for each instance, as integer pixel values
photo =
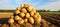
(31, 20)
(35, 16)
(26, 5)
(27, 15)
(22, 14)
(38, 20)
(4, 25)
(16, 12)
(37, 13)
(17, 17)
(21, 21)
(34, 11)
(31, 13)
(29, 8)
(23, 10)
(11, 21)
(26, 20)
(18, 8)
(22, 5)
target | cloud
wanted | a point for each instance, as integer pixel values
(5, 4)
(50, 5)
(54, 6)
(21, 1)
(31, 2)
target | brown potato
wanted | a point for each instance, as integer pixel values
(37, 13)
(35, 16)
(39, 16)
(17, 12)
(0, 24)
(31, 20)
(21, 21)
(28, 25)
(22, 14)
(26, 5)
(11, 21)
(25, 20)
(24, 10)
(17, 17)
(18, 8)
(30, 8)
(27, 15)
(31, 13)
(34, 11)
(22, 6)
(38, 20)
(4, 25)
(17, 25)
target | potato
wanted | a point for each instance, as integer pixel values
(4, 25)
(27, 15)
(17, 17)
(34, 11)
(21, 21)
(11, 21)
(22, 14)
(26, 5)
(28, 25)
(17, 12)
(35, 16)
(22, 6)
(38, 20)
(0, 24)
(17, 25)
(24, 10)
(31, 20)
(39, 16)
(25, 20)
(30, 8)
(18, 8)
(37, 13)
(31, 13)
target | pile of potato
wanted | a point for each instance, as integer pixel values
(25, 14)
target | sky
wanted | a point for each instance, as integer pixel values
(53, 5)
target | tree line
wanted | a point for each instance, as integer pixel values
(47, 11)
(7, 10)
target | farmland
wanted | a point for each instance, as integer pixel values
(5, 14)
(49, 19)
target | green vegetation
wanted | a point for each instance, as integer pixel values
(48, 12)
(58, 13)
(7, 10)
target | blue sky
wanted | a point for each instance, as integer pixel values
(38, 4)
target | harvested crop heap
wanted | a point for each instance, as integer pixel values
(25, 14)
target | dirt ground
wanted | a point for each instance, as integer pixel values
(5, 14)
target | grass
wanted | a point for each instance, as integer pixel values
(58, 13)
